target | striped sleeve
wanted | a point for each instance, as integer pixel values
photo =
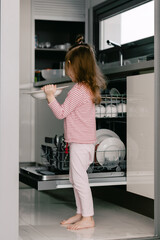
(73, 100)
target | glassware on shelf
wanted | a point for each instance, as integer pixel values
(36, 41)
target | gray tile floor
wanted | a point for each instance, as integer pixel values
(41, 213)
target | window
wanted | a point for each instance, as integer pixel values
(131, 25)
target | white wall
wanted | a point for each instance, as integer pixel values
(157, 118)
(9, 118)
(25, 41)
(110, 29)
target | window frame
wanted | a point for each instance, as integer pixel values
(111, 8)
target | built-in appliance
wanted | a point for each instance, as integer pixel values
(109, 165)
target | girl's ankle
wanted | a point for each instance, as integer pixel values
(90, 218)
(79, 214)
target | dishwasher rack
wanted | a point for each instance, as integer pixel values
(108, 167)
(112, 106)
(53, 171)
(104, 161)
(56, 158)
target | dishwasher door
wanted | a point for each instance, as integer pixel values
(40, 178)
(51, 168)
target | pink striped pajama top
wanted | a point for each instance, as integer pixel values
(78, 112)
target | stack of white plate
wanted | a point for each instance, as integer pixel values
(109, 147)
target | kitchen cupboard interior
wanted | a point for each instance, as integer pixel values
(118, 77)
(52, 40)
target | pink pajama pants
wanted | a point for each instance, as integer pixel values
(81, 156)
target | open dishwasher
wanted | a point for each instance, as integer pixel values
(109, 165)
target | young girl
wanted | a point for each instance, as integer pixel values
(78, 112)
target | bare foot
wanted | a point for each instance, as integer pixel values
(71, 220)
(85, 222)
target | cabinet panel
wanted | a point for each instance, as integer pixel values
(71, 10)
(140, 134)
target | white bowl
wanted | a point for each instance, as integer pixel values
(39, 94)
(111, 111)
(51, 74)
(100, 111)
(122, 108)
(60, 47)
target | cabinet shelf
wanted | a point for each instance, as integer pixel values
(56, 81)
(60, 35)
(50, 49)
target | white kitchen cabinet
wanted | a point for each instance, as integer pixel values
(140, 134)
(60, 10)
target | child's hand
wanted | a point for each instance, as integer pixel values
(49, 91)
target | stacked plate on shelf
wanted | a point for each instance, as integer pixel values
(109, 148)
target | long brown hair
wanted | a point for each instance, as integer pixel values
(81, 59)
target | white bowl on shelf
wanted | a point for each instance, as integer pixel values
(51, 74)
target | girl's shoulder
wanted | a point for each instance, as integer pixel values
(78, 88)
(81, 90)
(82, 87)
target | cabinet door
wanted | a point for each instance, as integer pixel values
(140, 134)
(59, 10)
